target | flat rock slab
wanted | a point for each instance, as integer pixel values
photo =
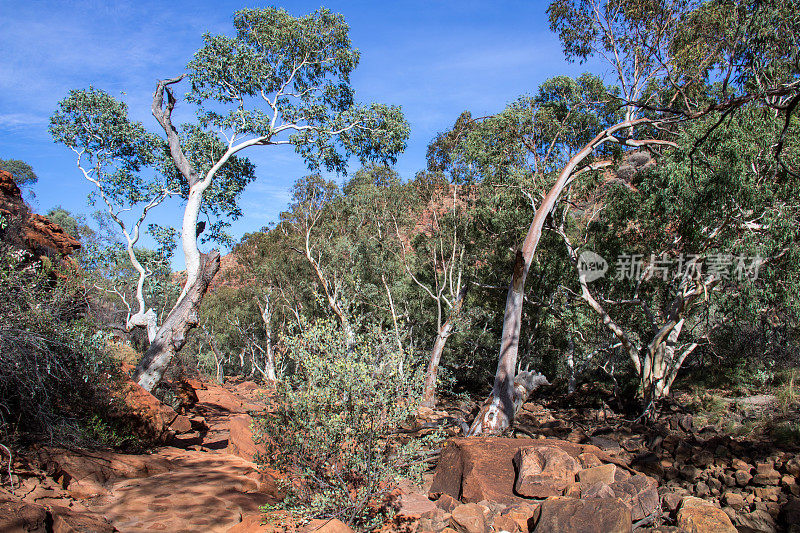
(560, 514)
(482, 468)
(203, 491)
(699, 516)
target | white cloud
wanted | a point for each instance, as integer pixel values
(21, 120)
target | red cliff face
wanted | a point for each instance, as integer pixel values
(29, 230)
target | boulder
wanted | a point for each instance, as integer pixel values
(640, 494)
(503, 523)
(253, 523)
(743, 477)
(756, 522)
(597, 490)
(522, 514)
(434, 520)
(181, 424)
(146, 412)
(766, 475)
(544, 471)
(482, 468)
(699, 516)
(411, 503)
(240, 438)
(468, 518)
(733, 499)
(671, 501)
(447, 503)
(559, 514)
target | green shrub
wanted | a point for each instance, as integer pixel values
(331, 429)
(54, 371)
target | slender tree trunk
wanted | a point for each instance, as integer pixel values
(266, 316)
(572, 384)
(171, 336)
(497, 413)
(331, 295)
(429, 392)
(219, 360)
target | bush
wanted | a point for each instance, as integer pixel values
(332, 425)
(54, 371)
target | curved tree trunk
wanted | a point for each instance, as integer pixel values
(171, 336)
(497, 412)
(429, 392)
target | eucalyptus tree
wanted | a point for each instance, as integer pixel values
(670, 45)
(280, 81)
(433, 253)
(117, 157)
(313, 219)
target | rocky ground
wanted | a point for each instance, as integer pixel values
(567, 468)
(204, 480)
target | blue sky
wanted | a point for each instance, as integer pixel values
(434, 58)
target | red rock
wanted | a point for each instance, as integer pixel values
(671, 501)
(253, 523)
(446, 503)
(503, 523)
(766, 475)
(184, 440)
(743, 477)
(412, 503)
(181, 424)
(146, 412)
(699, 516)
(640, 494)
(327, 526)
(218, 396)
(468, 518)
(559, 515)
(597, 490)
(39, 235)
(543, 471)
(86, 474)
(589, 460)
(598, 474)
(482, 468)
(522, 514)
(757, 522)
(17, 516)
(240, 440)
(733, 499)
(66, 520)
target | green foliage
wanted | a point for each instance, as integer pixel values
(54, 370)
(331, 428)
(300, 67)
(23, 173)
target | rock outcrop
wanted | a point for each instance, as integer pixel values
(582, 487)
(27, 230)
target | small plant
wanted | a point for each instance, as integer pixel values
(111, 434)
(786, 433)
(332, 425)
(787, 394)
